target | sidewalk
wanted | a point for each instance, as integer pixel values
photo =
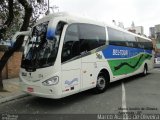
(12, 90)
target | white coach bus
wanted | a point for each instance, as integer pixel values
(65, 55)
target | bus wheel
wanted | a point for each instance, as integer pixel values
(102, 84)
(145, 70)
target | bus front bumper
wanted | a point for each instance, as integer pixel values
(39, 91)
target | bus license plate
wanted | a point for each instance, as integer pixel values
(29, 89)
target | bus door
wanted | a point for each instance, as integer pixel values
(88, 71)
(71, 61)
(89, 41)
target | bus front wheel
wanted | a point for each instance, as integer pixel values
(102, 83)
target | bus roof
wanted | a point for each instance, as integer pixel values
(69, 18)
(126, 31)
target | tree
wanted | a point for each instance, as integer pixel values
(7, 7)
(29, 16)
(12, 15)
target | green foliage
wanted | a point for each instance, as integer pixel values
(39, 8)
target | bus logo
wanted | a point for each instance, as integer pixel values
(75, 80)
(99, 56)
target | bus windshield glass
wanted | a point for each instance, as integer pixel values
(40, 52)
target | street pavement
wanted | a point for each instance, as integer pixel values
(157, 65)
(11, 90)
(84, 102)
(144, 93)
(135, 94)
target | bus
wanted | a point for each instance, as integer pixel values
(64, 55)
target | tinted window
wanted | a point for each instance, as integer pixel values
(148, 45)
(40, 51)
(130, 40)
(71, 43)
(145, 44)
(141, 42)
(120, 38)
(129, 37)
(91, 37)
(115, 35)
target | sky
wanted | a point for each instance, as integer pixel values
(142, 12)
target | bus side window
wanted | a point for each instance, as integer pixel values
(116, 37)
(91, 37)
(130, 40)
(71, 43)
(141, 43)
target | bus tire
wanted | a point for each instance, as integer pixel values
(145, 70)
(102, 83)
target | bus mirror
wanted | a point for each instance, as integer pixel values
(50, 34)
(53, 38)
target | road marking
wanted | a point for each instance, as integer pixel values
(124, 106)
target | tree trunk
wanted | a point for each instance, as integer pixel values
(1, 84)
(17, 45)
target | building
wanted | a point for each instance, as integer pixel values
(12, 67)
(155, 35)
(152, 32)
(139, 30)
(155, 32)
(136, 29)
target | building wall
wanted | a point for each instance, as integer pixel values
(139, 30)
(155, 34)
(157, 31)
(154, 45)
(152, 32)
(11, 69)
(157, 28)
(136, 29)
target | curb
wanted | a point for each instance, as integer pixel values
(13, 97)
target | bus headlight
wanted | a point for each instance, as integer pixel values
(51, 81)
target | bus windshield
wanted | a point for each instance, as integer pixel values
(40, 52)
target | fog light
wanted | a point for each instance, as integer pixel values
(51, 81)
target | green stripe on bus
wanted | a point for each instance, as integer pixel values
(126, 66)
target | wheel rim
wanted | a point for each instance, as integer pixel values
(101, 83)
